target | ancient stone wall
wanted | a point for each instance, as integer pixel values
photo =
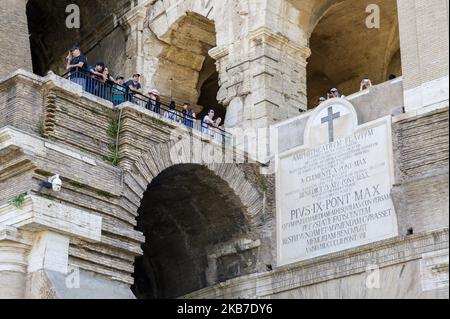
(126, 171)
(73, 141)
(15, 48)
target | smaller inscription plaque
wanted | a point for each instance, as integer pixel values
(333, 193)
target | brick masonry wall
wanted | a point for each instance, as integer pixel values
(15, 50)
(21, 104)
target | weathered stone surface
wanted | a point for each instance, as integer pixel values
(155, 209)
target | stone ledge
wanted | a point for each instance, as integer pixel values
(425, 111)
(38, 146)
(12, 234)
(51, 81)
(13, 139)
(40, 214)
(342, 264)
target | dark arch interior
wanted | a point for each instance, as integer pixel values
(209, 87)
(344, 50)
(185, 212)
(186, 61)
(51, 39)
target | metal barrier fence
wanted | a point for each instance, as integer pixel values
(119, 94)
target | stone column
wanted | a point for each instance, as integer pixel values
(49, 253)
(134, 27)
(261, 57)
(34, 242)
(15, 52)
(262, 66)
(424, 48)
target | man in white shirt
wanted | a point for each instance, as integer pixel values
(208, 122)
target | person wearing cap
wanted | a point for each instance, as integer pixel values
(76, 65)
(153, 103)
(334, 93)
(119, 90)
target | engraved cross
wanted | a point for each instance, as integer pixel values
(330, 120)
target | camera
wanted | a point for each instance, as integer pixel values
(54, 183)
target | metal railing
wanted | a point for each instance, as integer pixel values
(118, 94)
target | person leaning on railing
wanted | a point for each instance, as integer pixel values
(153, 103)
(188, 115)
(172, 113)
(134, 87)
(208, 122)
(119, 91)
(97, 78)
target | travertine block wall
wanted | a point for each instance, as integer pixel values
(422, 156)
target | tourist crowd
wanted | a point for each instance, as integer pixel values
(366, 83)
(98, 81)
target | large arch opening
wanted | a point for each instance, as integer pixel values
(193, 223)
(344, 50)
(98, 35)
(185, 70)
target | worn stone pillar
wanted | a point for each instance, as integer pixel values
(134, 27)
(15, 52)
(34, 253)
(262, 68)
(263, 73)
(424, 48)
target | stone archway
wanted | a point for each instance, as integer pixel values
(178, 57)
(344, 50)
(200, 222)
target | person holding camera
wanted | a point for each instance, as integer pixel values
(77, 65)
(365, 84)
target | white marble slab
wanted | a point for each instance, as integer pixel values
(335, 196)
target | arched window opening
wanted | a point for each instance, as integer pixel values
(191, 219)
(345, 50)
